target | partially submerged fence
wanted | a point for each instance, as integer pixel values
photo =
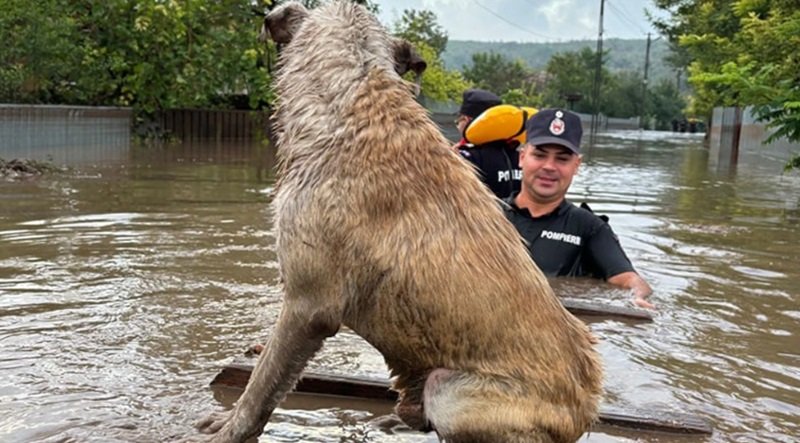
(723, 140)
(64, 134)
(735, 136)
(209, 124)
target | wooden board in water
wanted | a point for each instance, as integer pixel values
(237, 373)
(599, 309)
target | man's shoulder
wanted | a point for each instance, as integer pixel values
(508, 206)
(519, 217)
(583, 215)
(510, 202)
(581, 210)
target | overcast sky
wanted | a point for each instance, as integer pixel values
(529, 20)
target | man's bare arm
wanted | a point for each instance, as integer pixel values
(641, 290)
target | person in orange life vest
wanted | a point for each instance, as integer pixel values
(496, 160)
(563, 239)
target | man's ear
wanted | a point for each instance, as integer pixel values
(522, 153)
(406, 58)
(282, 23)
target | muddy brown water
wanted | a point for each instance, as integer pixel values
(125, 286)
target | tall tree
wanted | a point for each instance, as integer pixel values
(422, 27)
(742, 53)
(623, 95)
(497, 73)
(666, 103)
(39, 59)
(423, 31)
(438, 83)
(571, 74)
(149, 54)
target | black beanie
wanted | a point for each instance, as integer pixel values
(475, 101)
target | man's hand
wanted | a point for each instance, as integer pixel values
(635, 283)
(641, 302)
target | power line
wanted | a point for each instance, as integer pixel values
(510, 22)
(621, 14)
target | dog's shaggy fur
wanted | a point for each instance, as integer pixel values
(382, 228)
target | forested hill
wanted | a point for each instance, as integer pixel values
(623, 55)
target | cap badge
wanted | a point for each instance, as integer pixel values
(557, 125)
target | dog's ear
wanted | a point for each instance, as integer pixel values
(281, 23)
(406, 58)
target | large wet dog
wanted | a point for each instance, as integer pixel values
(382, 228)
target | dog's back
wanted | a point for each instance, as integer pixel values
(373, 203)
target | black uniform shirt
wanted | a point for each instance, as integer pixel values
(570, 241)
(498, 163)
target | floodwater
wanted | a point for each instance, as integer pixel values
(124, 287)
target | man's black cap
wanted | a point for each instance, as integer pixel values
(555, 127)
(475, 101)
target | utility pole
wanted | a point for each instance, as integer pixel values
(597, 76)
(644, 82)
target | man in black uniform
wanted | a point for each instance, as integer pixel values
(495, 160)
(563, 239)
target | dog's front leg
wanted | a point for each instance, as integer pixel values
(298, 335)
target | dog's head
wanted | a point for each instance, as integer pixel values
(283, 23)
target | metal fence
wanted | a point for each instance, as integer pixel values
(219, 125)
(723, 140)
(752, 147)
(64, 134)
(736, 136)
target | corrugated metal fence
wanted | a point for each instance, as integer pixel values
(205, 124)
(723, 141)
(735, 136)
(80, 134)
(70, 134)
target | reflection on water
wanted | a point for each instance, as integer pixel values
(124, 287)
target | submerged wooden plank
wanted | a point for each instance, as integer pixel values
(661, 421)
(586, 308)
(237, 373)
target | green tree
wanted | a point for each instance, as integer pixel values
(150, 54)
(666, 104)
(184, 54)
(572, 73)
(422, 30)
(422, 27)
(520, 97)
(438, 83)
(496, 73)
(622, 95)
(571, 76)
(38, 61)
(741, 53)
